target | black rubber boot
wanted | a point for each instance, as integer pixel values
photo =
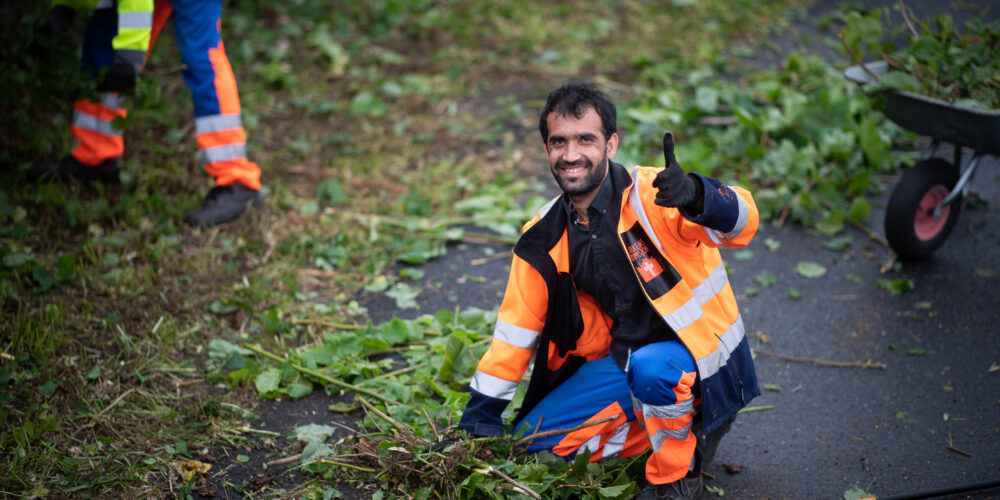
(223, 204)
(685, 488)
(70, 169)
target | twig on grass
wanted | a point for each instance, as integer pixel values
(437, 437)
(524, 489)
(342, 464)
(556, 432)
(286, 460)
(859, 364)
(383, 416)
(328, 324)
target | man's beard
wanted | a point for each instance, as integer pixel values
(591, 180)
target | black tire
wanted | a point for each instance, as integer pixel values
(911, 232)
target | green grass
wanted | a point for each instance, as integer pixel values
(382, 128)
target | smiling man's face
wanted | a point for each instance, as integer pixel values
(577, 151)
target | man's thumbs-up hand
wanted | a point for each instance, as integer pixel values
(676, 189)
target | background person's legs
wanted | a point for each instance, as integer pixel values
(218, 125)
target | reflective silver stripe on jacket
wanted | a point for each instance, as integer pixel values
(728, 342)
(689, 312)
(636, 203)
(135, 20)
(93, 123)
(223, 153)
(515, 335)
(742, 218)
(494, 387)
(215, 123)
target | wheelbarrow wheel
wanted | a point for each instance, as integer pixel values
(910, 226)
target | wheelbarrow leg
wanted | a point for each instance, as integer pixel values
(960, 186)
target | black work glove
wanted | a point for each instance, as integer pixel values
(118, 78)
(675, 189)
(60, 19)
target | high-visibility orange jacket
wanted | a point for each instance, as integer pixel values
(680, 270)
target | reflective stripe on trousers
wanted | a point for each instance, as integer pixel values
(661, 380)
(93, 126)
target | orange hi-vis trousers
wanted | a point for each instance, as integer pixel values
(651, 404)
(219, 128)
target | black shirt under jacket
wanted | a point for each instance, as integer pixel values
(600, 267)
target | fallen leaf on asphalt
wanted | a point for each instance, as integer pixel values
(985, 273)
(856, 493)
(762, 337)
(994, 368)
(772, 244)
(812, 270)
(924, 304)
(743, 255)
(715, 489)
(733, 468)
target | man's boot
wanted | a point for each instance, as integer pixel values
(685, 488)
(223, 204)
(690, 487)
(70, 169)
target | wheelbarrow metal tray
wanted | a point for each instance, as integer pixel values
(972, 128)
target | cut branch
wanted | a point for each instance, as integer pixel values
(524, 489)
(906, 18)
(329, 324)
(322, 376)
(858, 364)
(556, 432)
(393, 422)
(286, 460)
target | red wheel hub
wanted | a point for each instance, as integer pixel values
(923, 223)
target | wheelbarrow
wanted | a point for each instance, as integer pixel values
(925, 203)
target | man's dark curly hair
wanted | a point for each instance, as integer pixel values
(573, 99)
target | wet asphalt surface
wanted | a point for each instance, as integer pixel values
(929, 419)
